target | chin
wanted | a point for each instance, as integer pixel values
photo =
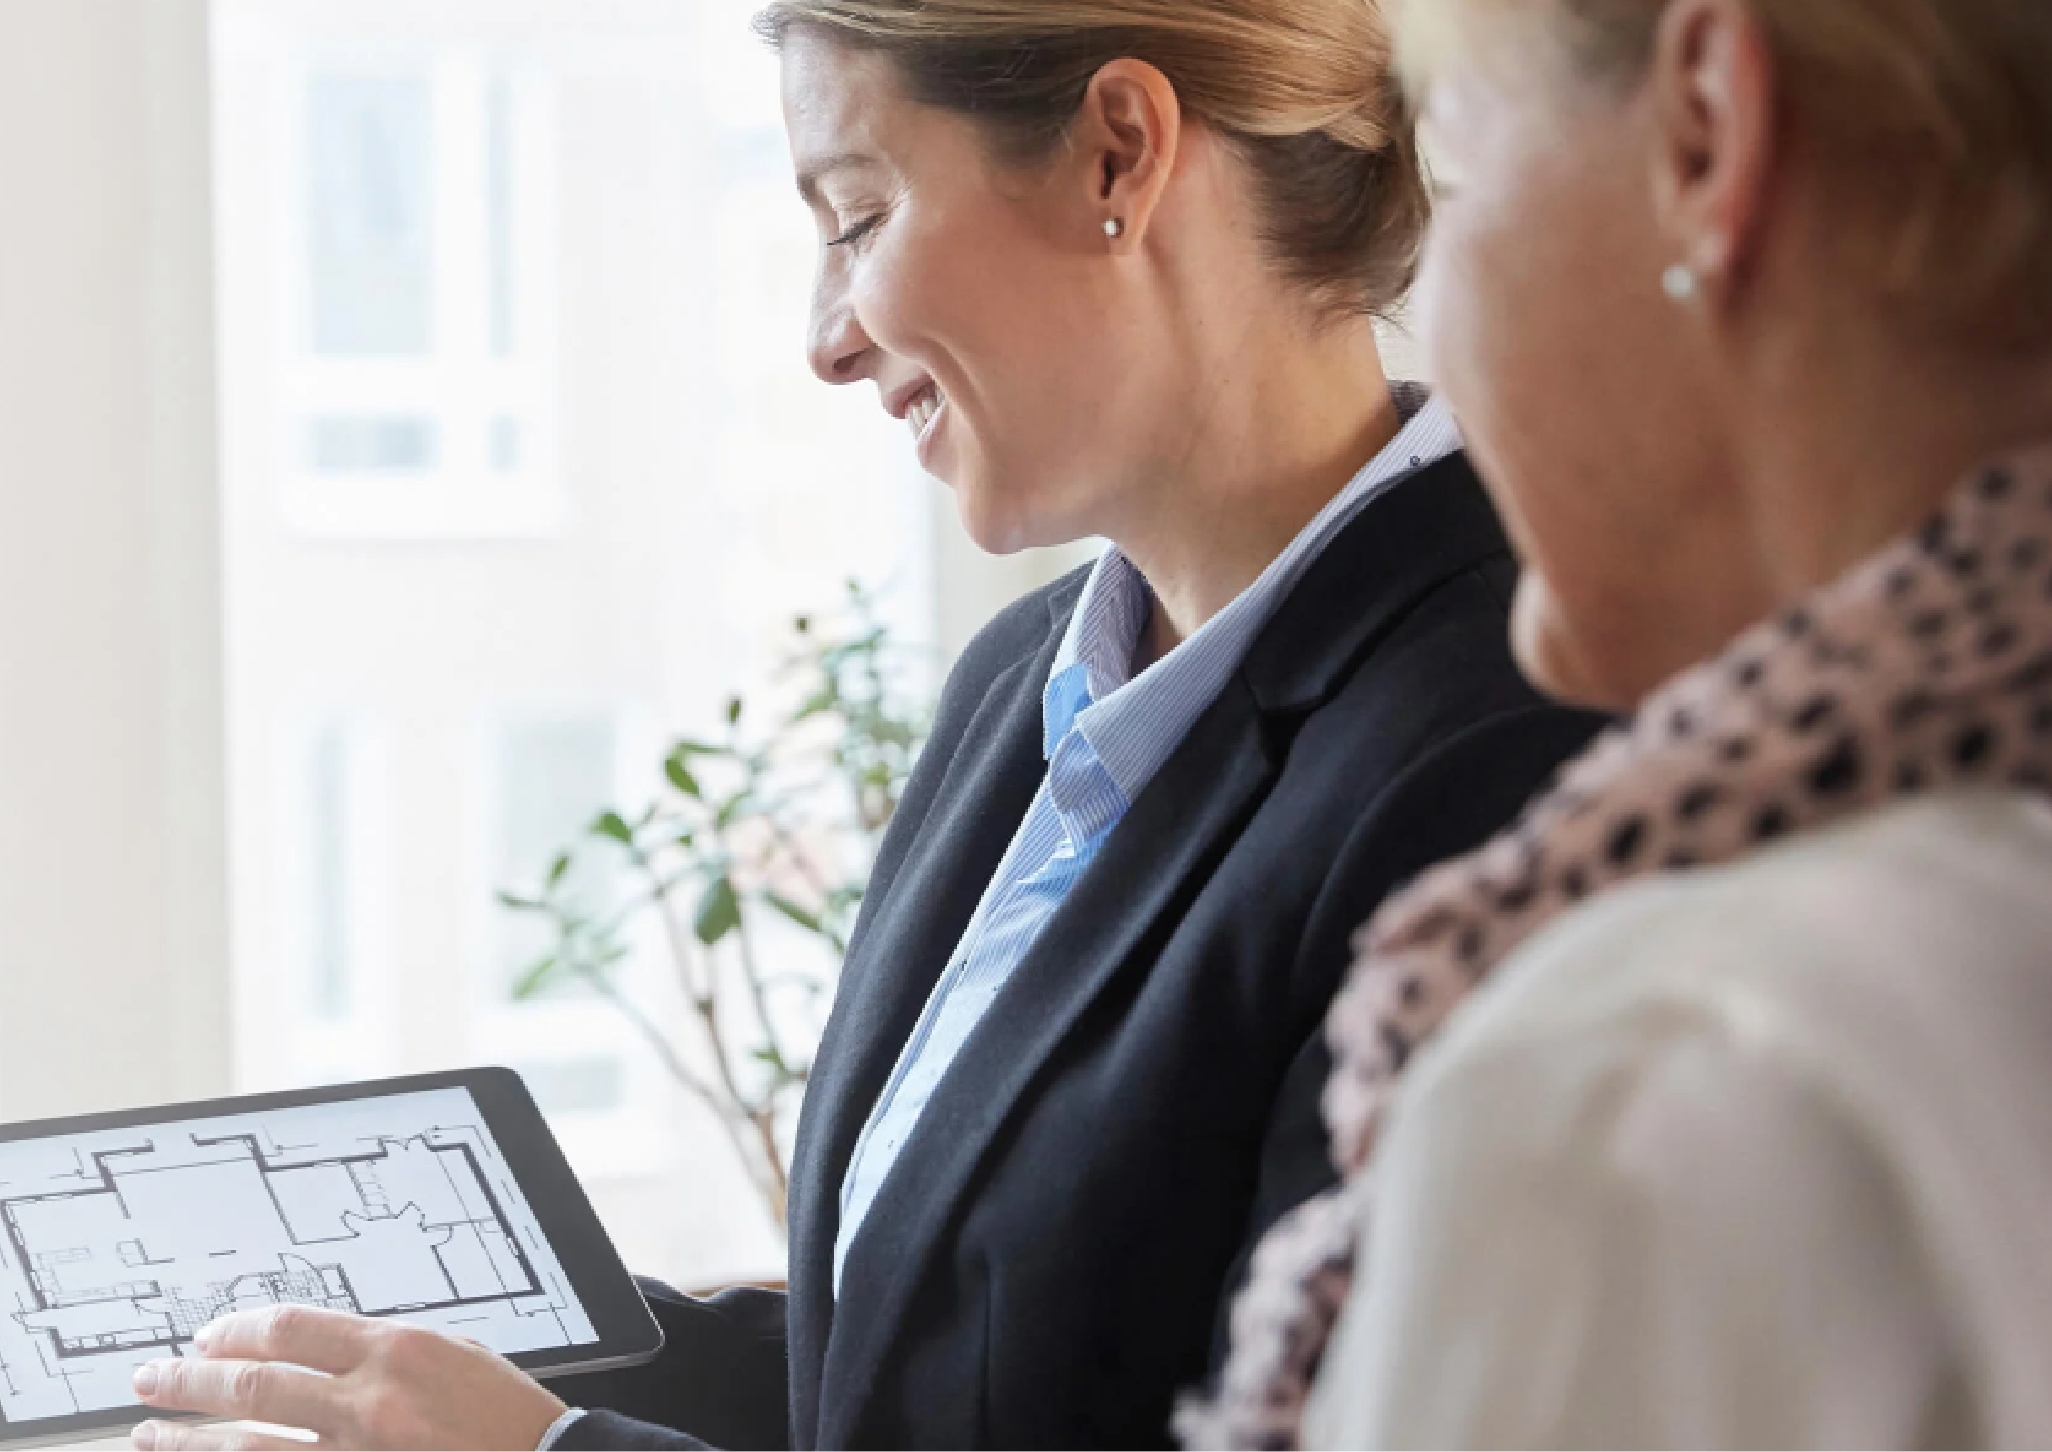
(1004, 513)
(993, 526)
(1549, 652)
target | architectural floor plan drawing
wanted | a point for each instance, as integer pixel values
(115, 1248)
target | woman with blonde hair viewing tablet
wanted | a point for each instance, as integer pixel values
(1116, 264)
(1712, 1104)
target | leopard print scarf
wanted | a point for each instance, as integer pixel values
(1927, 667)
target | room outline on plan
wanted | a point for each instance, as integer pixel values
(115, 1248)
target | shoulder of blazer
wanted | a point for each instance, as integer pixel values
(1424, 530)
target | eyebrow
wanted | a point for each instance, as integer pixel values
(810, 178)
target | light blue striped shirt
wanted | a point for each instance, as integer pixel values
(1106, 732)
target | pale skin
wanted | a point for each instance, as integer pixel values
(1166, 389)
(1673, 472)
(349, 1380)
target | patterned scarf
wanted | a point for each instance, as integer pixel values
(1928, 667)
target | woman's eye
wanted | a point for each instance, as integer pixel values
(857, 232)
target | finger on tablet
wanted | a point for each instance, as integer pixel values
(183, 1437)
(255, 1391)
(308, 1336)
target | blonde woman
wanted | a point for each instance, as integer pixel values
(1712, 1105)
(1115, 263)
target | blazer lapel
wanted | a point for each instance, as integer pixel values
(1148, 872)
(989, 784)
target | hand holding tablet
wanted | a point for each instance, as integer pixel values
(379, 1385)
(438, 1204)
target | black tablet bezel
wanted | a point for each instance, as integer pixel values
(628, 1333)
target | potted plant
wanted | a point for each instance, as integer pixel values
(771, 826)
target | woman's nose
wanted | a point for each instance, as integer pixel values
(838, 349)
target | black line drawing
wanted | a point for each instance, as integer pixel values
(124, 1247)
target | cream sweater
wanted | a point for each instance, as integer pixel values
(1761, 1156)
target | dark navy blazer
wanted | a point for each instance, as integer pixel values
(1049, 1261)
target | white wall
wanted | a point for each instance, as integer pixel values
(113, 981)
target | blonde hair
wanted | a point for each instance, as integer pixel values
(1306, 90)
(1933, 117)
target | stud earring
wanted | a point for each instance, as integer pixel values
(1679, 282)
(1114, 228)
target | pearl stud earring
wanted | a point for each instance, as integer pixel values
(1679, 282)
(1114, 228)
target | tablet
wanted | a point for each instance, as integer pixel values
(441, 1201)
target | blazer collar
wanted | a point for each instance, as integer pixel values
(1420, 532)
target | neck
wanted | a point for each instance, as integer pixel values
(1850, 471)
(1276, 429)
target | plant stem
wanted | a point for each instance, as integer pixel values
(753, 973)
(705, 1093)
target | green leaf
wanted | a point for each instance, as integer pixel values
(821, 701)
(613, 825)
(808, 921)
(521, 904)
(734, 708)
(559, 869)
(680, 775)
(535, 979)
(719, 911)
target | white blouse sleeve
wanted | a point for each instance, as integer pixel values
(1631, 1232)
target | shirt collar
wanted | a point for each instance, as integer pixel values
(1096, 654)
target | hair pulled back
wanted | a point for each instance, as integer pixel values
(1306, 90)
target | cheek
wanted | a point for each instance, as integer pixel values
(1525, 327)
(1500, 309)
(900, 297)
(1485, 329)
(926, 294)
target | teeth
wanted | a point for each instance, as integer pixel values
(921, 413)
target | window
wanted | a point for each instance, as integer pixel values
(538, 776)
(370, 215)
(422, 356)
(321, 924)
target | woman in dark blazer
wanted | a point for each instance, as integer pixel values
(1115, 262)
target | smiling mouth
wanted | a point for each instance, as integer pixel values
(924, 409)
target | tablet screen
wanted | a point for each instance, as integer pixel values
(117, 1245)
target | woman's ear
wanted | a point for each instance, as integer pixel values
(1126, 135)
(1712, 85)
